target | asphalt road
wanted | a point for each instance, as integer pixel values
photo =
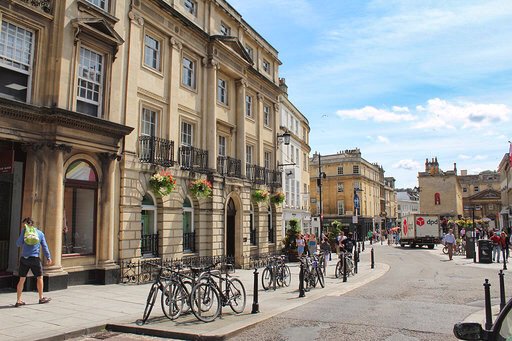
(420, 298)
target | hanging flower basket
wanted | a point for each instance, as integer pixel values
(277, 198)
(201, 188)
(260, 195)
(162, 183)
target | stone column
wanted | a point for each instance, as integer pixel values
(241, 85)
(259, 127)
(108, 209)
(172, 120)
(211, 118)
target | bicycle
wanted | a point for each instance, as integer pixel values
(276, 272)
(158, 285)
(313, 274)
(340, 266)
(207, 297)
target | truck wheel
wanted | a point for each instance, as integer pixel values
(402, 245)
(431, 246)
(413, 246)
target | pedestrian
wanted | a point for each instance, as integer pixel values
(312, 244)
(30, 240)
(340, 243)
(504, 245)
(338, 240)
(496, 246)
(449, 241)
(300, 244)
(462, 232)
(348, 243)
(325, 247)
(306, 241)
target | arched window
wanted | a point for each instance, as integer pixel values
(437, 199)
(80, 209)
(189, 236)
(271, 232)
(149, 235)
(252, 227)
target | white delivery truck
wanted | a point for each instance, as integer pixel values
(420, 229)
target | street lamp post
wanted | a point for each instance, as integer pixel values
(321, 175)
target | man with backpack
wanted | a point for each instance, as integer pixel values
(30, 240)
(348, 244)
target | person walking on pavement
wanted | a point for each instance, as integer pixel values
(325, 247)
(504, 244)
(449, 241)
(30, 240)
(312, 245)
(496, 246)
(300, 244)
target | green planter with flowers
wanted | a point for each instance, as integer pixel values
(260, 195)
(162, 183)
(201, 188)
(277, 198)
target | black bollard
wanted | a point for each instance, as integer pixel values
(502, 290)
(255, 304)
(344, 268)
(488, 312)
(372, 259)
(371, 240)
(302, 293)
(356, 260)
(504, 260)
(363, 244)
(359, 247)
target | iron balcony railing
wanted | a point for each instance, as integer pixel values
(149, 244)
(156, 151)
(256, 174)
(274, 178)
(193, 159)
(189, 242)
(228, 166)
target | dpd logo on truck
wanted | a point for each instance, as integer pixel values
(420, 221)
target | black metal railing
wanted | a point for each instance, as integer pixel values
(253, 236)
(256, 174)
(193, 159)
(189, 242)
(262, 259)
(274, 178)
(149, 245)
(156, 151)
(228, 166)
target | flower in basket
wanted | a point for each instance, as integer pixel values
(260, 195)
(162, 183)
(201, 188)
(277, 198)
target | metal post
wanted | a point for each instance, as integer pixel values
(255, 304)
(504, 259)
(502, 290)
(344, 268)
(363, 242)
(302, 293)
(356, 260)
(474, 235)
(274, 273)
(372, 258)
(359, 247)
(488, 312)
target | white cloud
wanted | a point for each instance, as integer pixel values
(480, 157)
(407, 164)
(464, 157)
(383, 139)
(377, 115)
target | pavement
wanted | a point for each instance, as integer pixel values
(84, 309)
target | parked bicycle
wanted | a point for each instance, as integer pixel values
(276, 273)
(340, 265)
(208, 297)
(158, 285)
(313, 274)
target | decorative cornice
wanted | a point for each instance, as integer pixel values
(175, 43)
(45, 5)
(36, 146)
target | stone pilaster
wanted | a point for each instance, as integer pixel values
(211, 118)
(240, 123)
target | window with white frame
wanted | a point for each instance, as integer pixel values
(268, 160)
(355, 169)
(148, 123)
(103, 4)
(187, 134)
(248, 106)
(90, 82)
(340, 187)
(341, 207)
(222, 87)
(248, 154)
(266, 66)
(297, 192)
(188, 226)
(225, 30)
(340, 170)
(287, 192)
(266, 115)
(297, 159)
(16, 57)
(188, 73)
(151, 52)
(292, 192)
(190, 6)
(292, 154)
(222, 145)
(305, 161)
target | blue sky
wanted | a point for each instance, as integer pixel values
(403, 80)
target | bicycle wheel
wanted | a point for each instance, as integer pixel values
(286, 275)
(205, 302)
(320, 277)
(173, 299)
(150, 302)
(350, 266)
(236, 295)
(187, 286)
(445, 250)
(339, 269)
(266, 279)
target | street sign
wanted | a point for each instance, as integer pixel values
(354, 219)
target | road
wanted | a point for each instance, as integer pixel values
(420, 298)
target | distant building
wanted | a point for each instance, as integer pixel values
(504, 169)
(408, 201)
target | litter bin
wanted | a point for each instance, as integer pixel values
(470, 247)
(484, 251)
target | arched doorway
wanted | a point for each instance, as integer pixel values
(230, 228)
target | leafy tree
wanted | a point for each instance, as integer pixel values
(292, 232)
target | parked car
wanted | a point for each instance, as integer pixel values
(501, 330)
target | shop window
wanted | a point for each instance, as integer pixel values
(80, 209)
(149, 234)
(188, 227)
(271, 231)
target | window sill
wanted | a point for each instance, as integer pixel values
(222, 104)
(188, 88)
(150, 69)
(84, 6)
(267, 127)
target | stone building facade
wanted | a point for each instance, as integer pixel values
(103, 95)
(505, 172)
(347, 174)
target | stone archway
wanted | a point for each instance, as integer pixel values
(230, 228)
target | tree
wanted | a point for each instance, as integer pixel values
(289, 241)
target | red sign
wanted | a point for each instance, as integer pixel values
(420, 221)
(6, 161)
(406, 227)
